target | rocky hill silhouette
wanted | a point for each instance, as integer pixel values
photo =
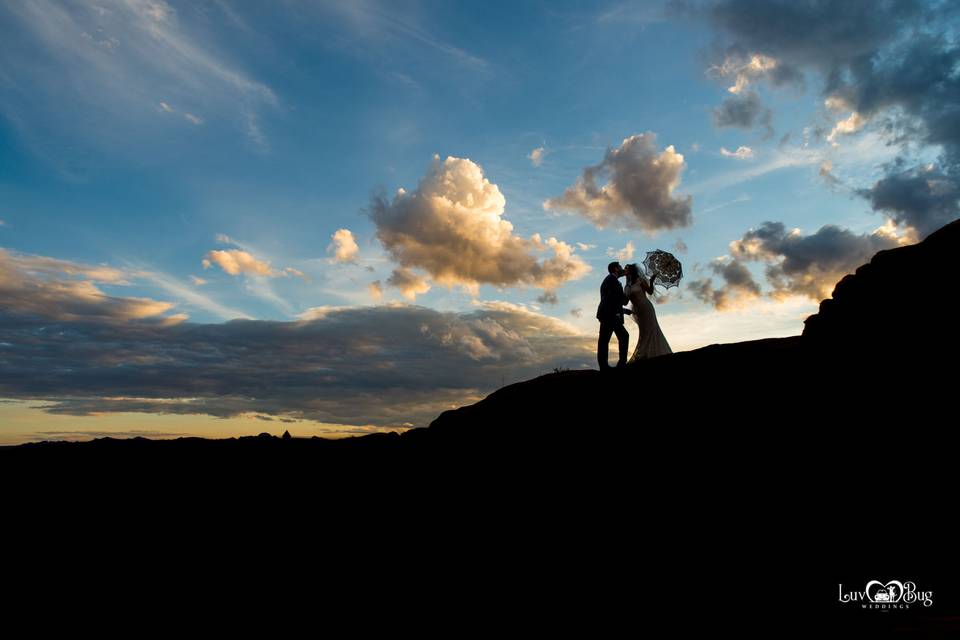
(876, 356)
(749, 472)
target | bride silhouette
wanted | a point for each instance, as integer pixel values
(651, 342)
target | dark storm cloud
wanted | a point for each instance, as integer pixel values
(742, 111)
(384, 365)
(795, 264)
(812, 264)
(925, 198)
(820, 33)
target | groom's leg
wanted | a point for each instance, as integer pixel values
(623, 341)
(603, 343)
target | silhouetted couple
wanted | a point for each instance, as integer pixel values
(610, 314)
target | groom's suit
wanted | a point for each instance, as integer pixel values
(610, 314)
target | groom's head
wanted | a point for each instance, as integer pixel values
(614, 268)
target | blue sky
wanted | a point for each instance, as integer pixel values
(142, 136)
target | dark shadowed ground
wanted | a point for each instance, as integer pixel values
(728, 489)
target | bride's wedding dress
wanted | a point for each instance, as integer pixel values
(652, 342)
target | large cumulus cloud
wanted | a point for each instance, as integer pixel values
(639, 188)
(452, 227)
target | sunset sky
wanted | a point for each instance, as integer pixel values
(220, 218)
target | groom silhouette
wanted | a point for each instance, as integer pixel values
(610, 314)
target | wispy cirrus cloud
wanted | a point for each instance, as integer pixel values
(381, 24)
(122, 64)
(188, 294)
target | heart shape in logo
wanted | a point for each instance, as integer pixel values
(896, 583)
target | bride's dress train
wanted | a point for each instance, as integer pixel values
(651, 342)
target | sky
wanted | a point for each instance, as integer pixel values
(221, 218)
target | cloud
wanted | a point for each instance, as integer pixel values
(775, 160)
(851, 124)
(888, 66)
(794, 264)
(83, 435)
(747, 69)
(197, 280)
(410, 284)
(376, 290)
(383, 365)
(451, 227)
(744, 111)
(381, 25)
(536, 156)
(43, 266)
(548, 297)
(812, 264)
(236, 262)
(190, 295)
(738, 287)
(742, 153)
(816, 34)
(50, 289)
(343, 246)
(114, 61)
(826, 172)
(622, 254)
(639, 191)
(680, 246)
(642, 13)
(922, 198)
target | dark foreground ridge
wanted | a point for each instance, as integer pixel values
(758, 471)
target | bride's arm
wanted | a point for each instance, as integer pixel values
(648, 284)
